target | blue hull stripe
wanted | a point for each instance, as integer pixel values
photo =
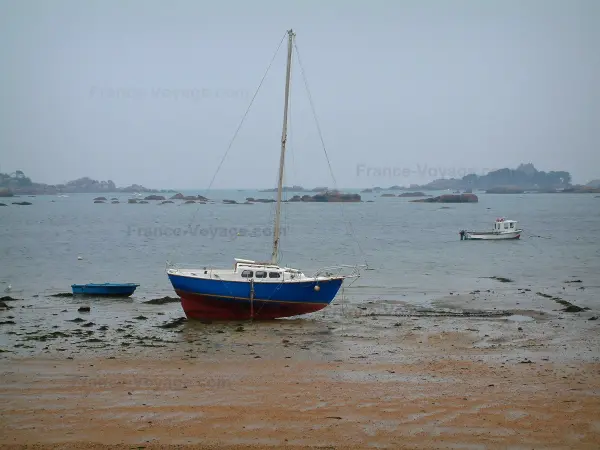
(289, 292)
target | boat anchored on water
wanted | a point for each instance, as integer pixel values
(503, 229)
(259, 290)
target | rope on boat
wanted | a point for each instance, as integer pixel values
(312, 106)
(251, 299)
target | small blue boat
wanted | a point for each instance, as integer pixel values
(105, 289)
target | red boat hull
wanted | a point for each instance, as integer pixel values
(203, 307)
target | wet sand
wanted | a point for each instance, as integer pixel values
(380, 376)
(451, 404)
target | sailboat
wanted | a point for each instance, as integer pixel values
(259, 290)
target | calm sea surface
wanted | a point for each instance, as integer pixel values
(413, 248)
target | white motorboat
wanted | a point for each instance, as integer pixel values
(503, 229)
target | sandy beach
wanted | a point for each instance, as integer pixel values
(378, 379)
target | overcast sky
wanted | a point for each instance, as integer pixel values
(151, 92)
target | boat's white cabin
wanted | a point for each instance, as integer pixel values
(246, 268)
(505, 225)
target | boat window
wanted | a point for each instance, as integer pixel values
(512, 225)
(247, 274)
(274, 275)
(506, 226)
(261, 274)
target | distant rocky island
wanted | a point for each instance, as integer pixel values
(19, 184)
(327, 196)
(296, 188)
(525, 178)
(449, 198)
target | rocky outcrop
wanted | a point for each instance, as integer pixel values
(335, 196)
(22, 203)
(449, 198)
(412, 194)
(154, 197)
(180, 196)
(388, 195)
(100, 198)
(304, 198)
(230, 202)
(165, 202)
(99, 201)
(327, 197)
(260, 200)
(132, 200)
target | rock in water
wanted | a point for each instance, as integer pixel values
(449, 198)
(412, 194)
(328, 197)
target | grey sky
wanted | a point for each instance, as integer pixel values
(101, 89)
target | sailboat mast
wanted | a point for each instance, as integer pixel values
(275, 253)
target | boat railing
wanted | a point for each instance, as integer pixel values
(345, 271)
(179, 266)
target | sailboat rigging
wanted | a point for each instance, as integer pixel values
(259, 290)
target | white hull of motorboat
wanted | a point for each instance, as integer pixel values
(493, 235)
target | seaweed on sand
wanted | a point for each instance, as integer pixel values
(163, 300)
(502, 279)
(569, 307)
(173, 323)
